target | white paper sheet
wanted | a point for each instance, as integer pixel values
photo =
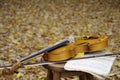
(99, 67)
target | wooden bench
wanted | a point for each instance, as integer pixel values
(56, 71)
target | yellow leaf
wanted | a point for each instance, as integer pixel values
(62, 16)
(89, 26)
(54, 23)
(41, 76)
(11, 37)
(27, 67)
(29, 35)
(39, 46)
(19, 75)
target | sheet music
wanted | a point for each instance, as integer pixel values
(100, 67)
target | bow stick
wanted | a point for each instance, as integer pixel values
(63, 61)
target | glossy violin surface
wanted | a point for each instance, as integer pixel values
(61, 53)
(94, 43)
(65, 52)
(81, 45)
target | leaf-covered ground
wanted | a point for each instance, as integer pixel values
(27, 26)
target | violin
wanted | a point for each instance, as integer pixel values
(65, 50)
(81, 45)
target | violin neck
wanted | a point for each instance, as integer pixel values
(48, 49)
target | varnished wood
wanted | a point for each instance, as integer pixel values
(91, 44)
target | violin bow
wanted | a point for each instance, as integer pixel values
(63, 61)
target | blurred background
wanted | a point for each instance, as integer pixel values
(27, 26)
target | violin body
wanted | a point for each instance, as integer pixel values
(61, 53)
(81, 45)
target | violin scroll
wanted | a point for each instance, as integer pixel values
(11, 71)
